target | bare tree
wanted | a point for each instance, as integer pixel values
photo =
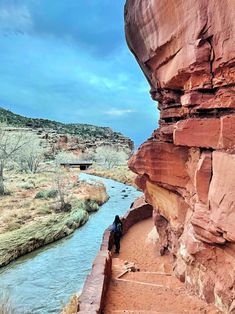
(109, 157)
(88, 154)
(63, 185)
(64, 157)
(31, 154)
(10, 143)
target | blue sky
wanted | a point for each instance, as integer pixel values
(67, 60)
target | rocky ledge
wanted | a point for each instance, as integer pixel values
(187, 168)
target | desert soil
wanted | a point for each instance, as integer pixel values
(28, 222)
(152, 289)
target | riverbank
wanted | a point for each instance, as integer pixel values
(57, 271)
(121, 174)
(31, 215)
(29, 238)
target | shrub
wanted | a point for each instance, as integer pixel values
(27, 186)
(52, 193)
(91, 206)
(7, 193)
(44, 194)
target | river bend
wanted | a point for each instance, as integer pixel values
(43, 281)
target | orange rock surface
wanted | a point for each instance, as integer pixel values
(152, 289)
(186, 50)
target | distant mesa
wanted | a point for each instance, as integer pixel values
(73, 137)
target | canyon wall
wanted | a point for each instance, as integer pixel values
(186, 50)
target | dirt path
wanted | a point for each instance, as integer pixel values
(153, 289)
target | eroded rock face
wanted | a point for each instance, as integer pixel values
(79, 144)
(186, 50)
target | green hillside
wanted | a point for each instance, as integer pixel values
(84, 131)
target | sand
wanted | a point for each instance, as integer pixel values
(152, 289)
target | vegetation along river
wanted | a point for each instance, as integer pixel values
(43, 281)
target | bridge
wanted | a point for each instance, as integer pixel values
(82, 164)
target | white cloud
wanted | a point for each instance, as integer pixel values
(116, 83)
(118, 112)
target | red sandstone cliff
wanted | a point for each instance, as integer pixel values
(187, 168)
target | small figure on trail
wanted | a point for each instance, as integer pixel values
(117, 233)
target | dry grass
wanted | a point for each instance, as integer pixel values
(37, 234)
(6, 306)
(27, 223)
(120, 174)
(72, 306)
(21, 207)
(94, 192)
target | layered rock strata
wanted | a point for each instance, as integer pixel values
(187, 168)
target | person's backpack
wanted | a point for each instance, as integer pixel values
(117, 228)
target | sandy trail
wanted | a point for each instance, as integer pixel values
(153, 289)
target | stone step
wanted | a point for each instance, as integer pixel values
(166, 280)
(160, 287)
(141, 312)
(151, 312)
(134, 283)
(156, 299)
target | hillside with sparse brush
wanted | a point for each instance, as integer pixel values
(75, 136)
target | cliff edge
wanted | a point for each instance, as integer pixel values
(186, 50)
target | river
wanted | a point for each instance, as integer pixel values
(43, 281)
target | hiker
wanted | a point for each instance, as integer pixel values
(117, 233)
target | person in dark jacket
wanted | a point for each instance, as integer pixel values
(117, 233)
